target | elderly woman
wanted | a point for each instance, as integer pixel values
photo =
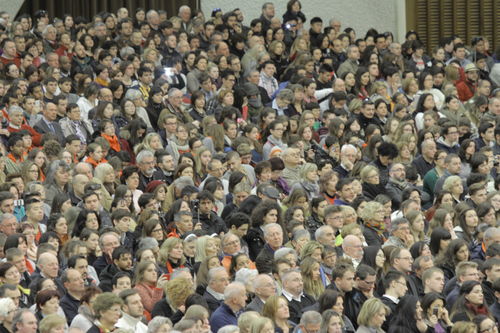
(7, 310)
(53, 323)
(159, 324)
(371, 316)
(370, 181)
(373, 215)
(104, 174)
(309, 180)
(56, 181)
(107, 308)
(453, 184)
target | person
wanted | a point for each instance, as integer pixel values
(264, 287)
(234, 301)
(24, 321)
(294, 293)
(470, 302)
(371, 316)
(107, 308)
(132, 311)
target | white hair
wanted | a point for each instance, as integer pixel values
(233, 290)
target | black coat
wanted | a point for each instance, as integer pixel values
(212, 302)
(255, 241)
(296, 307)
(264, 261)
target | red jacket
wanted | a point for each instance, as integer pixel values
(37, 137)
(466, 90)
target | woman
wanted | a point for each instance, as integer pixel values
(417, 225)
(179, 143)
(276, 309)
(107, 309)
(313, 285)
(328, 183)
(145, 282)
(47, 303)
(408, 316)
(456, 252)
(371, 316)
(53, 323)
(57, 223)
(425, 103)
(266, 212)
(130, 177)
(7, 311)
(470, 302)
(363, 83)
(57, 180)
(435, 313)
(373, 215)
(84, 320)
(370, 181)
(439, 241)
(86, 219)
(309, 180)
(333, 300)
(171, 255)
(331, 322)
(453, 184)
(9, 274)
(426, 85)
(486, 324)
(466, 223)
(374, 257)
(442, 218)
(274, 140)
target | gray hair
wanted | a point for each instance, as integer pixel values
(148, 243)
(54, 166)
(5, 217)
(284, 251)
(213, 271)
(18, 318)
(183, 8)
(286, 94)
(267, 227)
(321, 231)
(233, 289)
(5, 304)
(133, 94)
(143, 154)
(229, 329)
(151, 12)
(299, 233)
(245, 274)
(397, 223)
(46, 29)
(178, 271)
(310, 317)
(102, 170)
(14, 108)
(347, 146)
(158, 322)
(491, 232)
(183, 181)
(172, 91)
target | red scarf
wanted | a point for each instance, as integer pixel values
(113, 141)
(477, 309)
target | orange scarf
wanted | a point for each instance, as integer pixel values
(13, 159)
(113, 141)
(94, 163)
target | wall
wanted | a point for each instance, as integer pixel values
(383, 15)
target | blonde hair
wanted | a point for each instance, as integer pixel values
(259, 323)
(309, 248)
(167, 246)
(411, 216)
(245, 320)
(365, 171)
(312, 287)
(178, 290)
(51, 321)
(369, 309)
(449, 182)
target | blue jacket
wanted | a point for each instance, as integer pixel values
(223, 316)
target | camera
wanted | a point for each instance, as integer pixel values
(195, 204)
(169, 71)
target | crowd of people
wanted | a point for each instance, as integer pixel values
(190, 173)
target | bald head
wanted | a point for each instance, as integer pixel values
(49, 265)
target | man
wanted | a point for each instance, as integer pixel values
(491, 236)
(146, 163)
(459, 52)
(395, 287)
(345, 192)
(264, 287)
(491, 269)
(348, 156)
(273, 236)
(153, 18)
(467, 88)
(397, 184)
(291, 173)
(387, 152)
(310, 321)
(218, 279)
(453, 166)
(24, 321)
(6, 202)
(8, 224)
(216, 170)
(352, 62)
(227, 313)
(16, 257)
(10, 53)
(183, 224)
(267, 15)
(231, 246)
(325, 235)
(48, 122)
(477, 195)
(400, 234)
(425, 162)
(211, 223)
(449, 138)
(419, 266)
(293, 291)
(12, 291)
(343, 278)
(108, 241)
(486, 132)
(186, 23)
(48, 267)
(433, 280)
(122, 220)
(34, 216)
(165, 167)
(364, 285)
(17, 124)
(74, 285)
(174, 106)
(132, 311)
(353, 249)
(122, 262)
(465, 271)
(77, 192)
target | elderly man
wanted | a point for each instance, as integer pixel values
(425, 162)
(8, 224)
(218, 279)
(264, 287)
(146, 163)
(491, 236)
(174, 106)
(231, 246)
(108, 241)
(291, 173)
(325, 235)
(353, 249)
(16, 124)
(216, 170)
(48, 266)
(352, 62)
(185, 15)
(76, 193)
(348, 155)
(153, 18)
(74, 284)
(24, 321)
(293, 291)
(227, 313)
(400, 234)
(273, 235)
(48, 123)
(397, 184)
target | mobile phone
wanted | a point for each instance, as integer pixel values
(435, 311)
(169, 71)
